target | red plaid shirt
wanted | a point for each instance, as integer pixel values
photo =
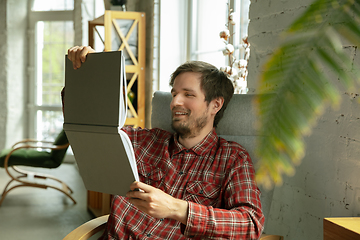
(216, 177)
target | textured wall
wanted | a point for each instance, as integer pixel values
(326, 183)
(267, 20)
(16, 69)
(3, 72)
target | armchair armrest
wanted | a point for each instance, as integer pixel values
(271, 237)
(30, 141)
(88, 229)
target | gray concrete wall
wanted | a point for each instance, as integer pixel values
(327, 181)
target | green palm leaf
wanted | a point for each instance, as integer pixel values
(298, 72)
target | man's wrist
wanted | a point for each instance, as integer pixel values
(181, 210)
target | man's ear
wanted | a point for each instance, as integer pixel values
(217, 104)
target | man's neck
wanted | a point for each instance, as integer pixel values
(189, 142)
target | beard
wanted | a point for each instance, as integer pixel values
(191, 127)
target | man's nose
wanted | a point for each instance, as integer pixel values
(176, 101)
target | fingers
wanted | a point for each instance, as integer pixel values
(78, 55)
(142, 186)
(141, 191)
(136, 195)
(73, 56)
(143, 201)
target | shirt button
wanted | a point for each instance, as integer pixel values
(161, 219)
(148, 174)
(181, 173)
(148, 235)
(187, 151)
(201, 191)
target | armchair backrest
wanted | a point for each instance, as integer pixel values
(236, 125)
(59, 155)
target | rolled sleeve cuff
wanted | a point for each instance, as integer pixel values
(198, 222)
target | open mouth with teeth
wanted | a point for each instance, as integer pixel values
(178, 114)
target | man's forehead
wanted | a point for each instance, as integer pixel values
(184, 89)
(189, 80)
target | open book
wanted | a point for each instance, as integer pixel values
(95, 109)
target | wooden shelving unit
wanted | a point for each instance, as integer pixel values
(122, 31)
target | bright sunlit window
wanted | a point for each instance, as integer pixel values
(52, 28)
(209, 18)
(51, 5)
(192, 33)
(53, 38)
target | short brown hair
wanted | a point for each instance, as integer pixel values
(214, 83)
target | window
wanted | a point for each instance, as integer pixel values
(209, 17)
(52, 33)
(51, 5)
(192, 33)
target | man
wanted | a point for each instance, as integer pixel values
(194, 185)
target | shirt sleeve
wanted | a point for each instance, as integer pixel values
(241, 217)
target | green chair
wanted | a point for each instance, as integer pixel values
(31, 154)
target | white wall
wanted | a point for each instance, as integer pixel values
(13, 70)
(3, 73)
(17, 71)
(327, 182)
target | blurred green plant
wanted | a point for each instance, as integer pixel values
(311, 52)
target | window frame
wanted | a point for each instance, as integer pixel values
(31, 106)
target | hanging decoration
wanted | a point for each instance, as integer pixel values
(237, 68)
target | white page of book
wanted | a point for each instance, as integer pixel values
(130, 152)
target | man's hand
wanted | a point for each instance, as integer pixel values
(156, 203)
(78, 55)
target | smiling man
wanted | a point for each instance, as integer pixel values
(191, 114)
(195, 185)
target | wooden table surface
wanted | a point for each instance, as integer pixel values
(342, 228)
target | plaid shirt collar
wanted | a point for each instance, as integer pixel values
(201, 148)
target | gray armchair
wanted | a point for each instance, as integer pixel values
(236, 125)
